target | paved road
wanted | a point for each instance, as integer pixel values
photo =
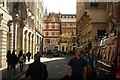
(57, 68)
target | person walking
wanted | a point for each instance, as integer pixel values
(37, 70)
(28, 56)
(21, 60)
(91, 67)
(8, 56)
(24, 57)
(76, 66)
(13, 61)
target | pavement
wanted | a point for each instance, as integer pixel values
(8, 75)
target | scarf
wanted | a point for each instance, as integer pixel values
(92, 62)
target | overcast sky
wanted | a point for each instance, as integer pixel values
(62, 6)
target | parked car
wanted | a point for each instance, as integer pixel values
(56, 55)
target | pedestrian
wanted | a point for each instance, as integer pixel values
(24, 56)
(8, 56)
(91, 67)
(28, 56)
(13, 61)
(21, 60)
(77, 66)
(37, 70)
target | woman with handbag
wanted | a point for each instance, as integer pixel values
(91, 67)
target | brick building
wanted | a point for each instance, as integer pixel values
(58, 26)
(52, 32)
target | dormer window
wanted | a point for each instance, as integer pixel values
(53, 19)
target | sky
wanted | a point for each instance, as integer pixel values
(62, 6)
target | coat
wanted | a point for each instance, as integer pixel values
(37, 71)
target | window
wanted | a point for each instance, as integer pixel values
(66, 24)
(53, 19)
(70, 24)
(66, 31)
(46, 26)
(74, 24)
(55, 33)
(63, 24)
(52, 33)
(50, 26)
(63, 16)
(56, 26)
(101, 33)
(46, 33)
(71, 31)
(48, 40)
(73, 16)
(69, 16)
(94, 3)
(66, 16)
(63, 31)
(62, 48)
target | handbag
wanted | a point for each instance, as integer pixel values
(89, 69)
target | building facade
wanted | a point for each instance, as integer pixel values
(68, 32)
(51, 40)
(21, 27)
(91, 21)
(113, 11)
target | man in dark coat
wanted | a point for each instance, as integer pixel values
(8, 56)
(76, 66)
(14, 61)
(28, 56)
(37, 70)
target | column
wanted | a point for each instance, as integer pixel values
(30, 43)
(25, 41)
(29, 39)
(21, 39)
(14, 31)
(32, 47)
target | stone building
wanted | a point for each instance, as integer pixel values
(113, 11)
(21, 27)
(68, 32)
(91, 23)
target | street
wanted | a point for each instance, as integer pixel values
(56, 30)
(57, 69)
(56, 66)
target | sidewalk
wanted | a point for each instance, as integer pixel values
(9, 75)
